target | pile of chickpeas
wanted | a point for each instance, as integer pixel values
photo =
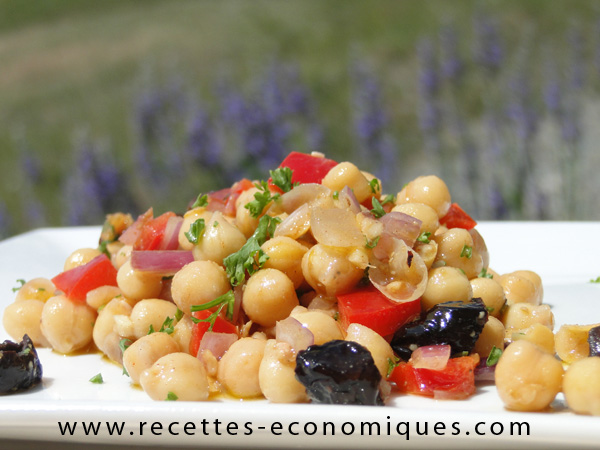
(301, 279)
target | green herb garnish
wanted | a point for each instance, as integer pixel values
(124, 344)
(597, 280)
(21, 282)
(225, 300)
(466, 252)
(196, 230)
(261, 199)
(250, 257)
(97, 379)
(493, 357)
(373, 243)
(388, 199)
(201, 201)
(282, 178)
(171, 397)
(374, 185)
(424, 237)
(392, 364)
(484, 274)
(490, 309)
(178, 315)
(336, 195)
(377, 210)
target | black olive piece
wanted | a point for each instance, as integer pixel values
(594, 341)
(339, 372)
(20, 367)
(457, 324)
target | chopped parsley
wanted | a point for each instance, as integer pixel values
(123, 345)
(282, 178)
(21, 282)
(377, 210)
(171, 397)
(178, 315)
(484, 274)
(424, 237)
(597, 280)
(225, 300)
(373, 243)
(201, 201)
(388, 199)
(493, 357)
(466, 252)
(490, 309)
(261, 199)
(392, 364)
(336, 195)
(97, 379)
(374, 185)
(168, 325)
(250, 257)
(196, 230)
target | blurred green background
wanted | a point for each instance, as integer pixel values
(125, 104)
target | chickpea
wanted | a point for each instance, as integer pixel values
(571, 342)
(324, 327)
(276, 374)
(430, 190)
(528, 378)
(105, 335)
(522, 287)
(427, 252)
(122, 256)
(446, 284)
(190, 217)
(492, 294)
(81, 257)
(522, 315)
(24, 317)
(285, 254)
(581, 386)
(456, 249)
(425, 213)
(36, 289)
(269, 296)
(539, 334)
(379, 348)
(176, 373)
(219, 240)
(67, 325)
(491, 336)
(101, 296)
(243, 220)
(347, 174)
(151, 313)
(183, 333)
(238, 368)
(137, 285)
(197, 283)
(144, 352)
(328, 270)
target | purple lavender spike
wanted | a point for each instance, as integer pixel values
(489, 48)
(576, 66)
(452, 65)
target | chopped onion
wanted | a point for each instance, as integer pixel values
(217, 343)
(296, 224)
(294, 333)
(335, 227)
(160, 262)
(170, 240)
(238, 292)
(131, 233)
(348, 200)
(432, 357)
(483, 372)
(401, 226)
(300, 195)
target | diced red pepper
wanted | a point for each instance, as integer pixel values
(307, 168)
(221, 326)
(456, 217)
(77, 282)
(369, 307)
(152, 232)
(455, 381)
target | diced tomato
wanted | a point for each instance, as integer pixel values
(224, 199)
(77, 282)
(221, 326)
(456, 381)
(456, 217)
(307, 168)
(369, 307)
(152, 232)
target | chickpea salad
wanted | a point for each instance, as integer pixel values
(312, 285)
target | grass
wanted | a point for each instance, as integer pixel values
(77, 65)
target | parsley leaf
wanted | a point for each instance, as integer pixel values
(484, 274)
(151, 329)
(282, 178)
(261, 199)
(373, 243)
(250, 257)
(171, 397)
(201, 201)
(377, 210)
(374, 185)
(124, 344)
(597, 280)
(392, 364)
(493, 357)
(225, 300)
(388, 199)
(466, 252)
(196, 230)
(97, 379)
(424, 237)
(178, 315)
(336, 195)
(21, 282)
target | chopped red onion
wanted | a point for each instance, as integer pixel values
(483, 372)
(238, 294)
(170, 240)
(160, 262)
(132, 232)
(292, 200)
(294, 333)
(432, 357)
(347, 198)
(401, 226)
(217, 343)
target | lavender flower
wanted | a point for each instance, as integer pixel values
(489, 49)
(5, 221)
(452, 65)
